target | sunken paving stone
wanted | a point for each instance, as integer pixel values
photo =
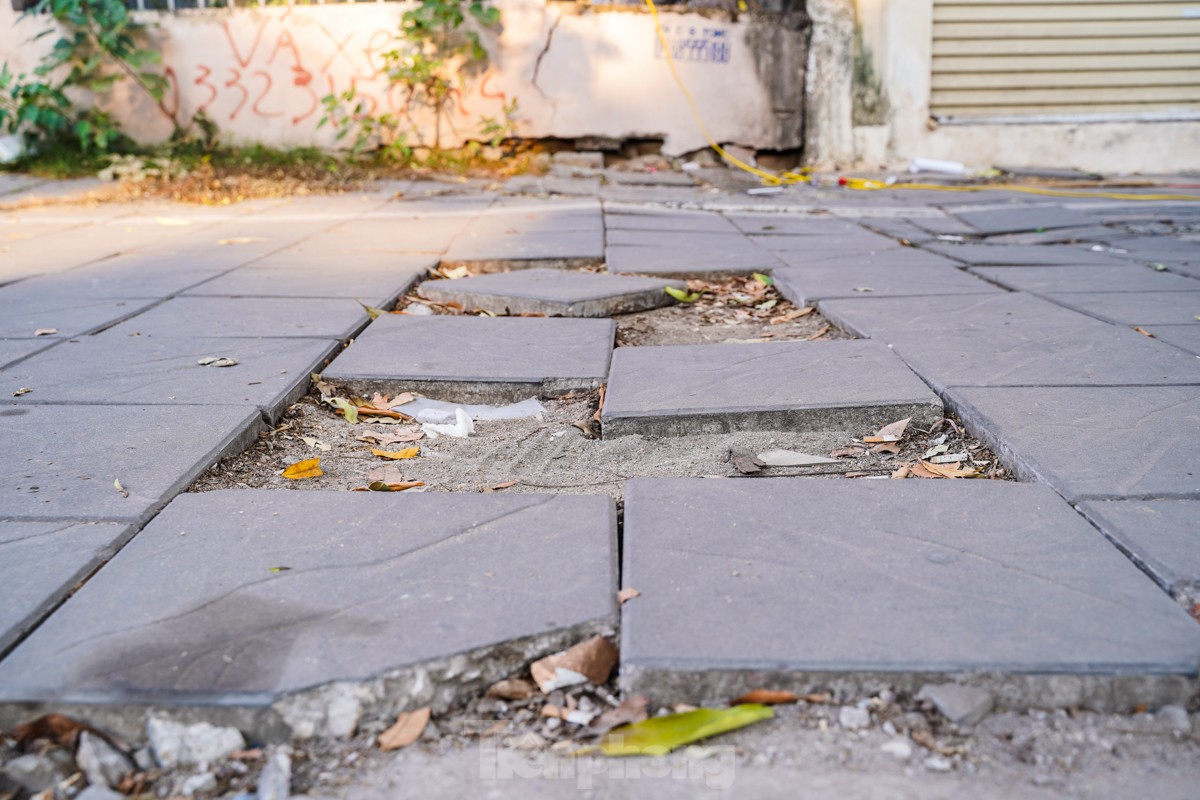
(476, 359)
(1185, 337)
(553, 292)
(1095, 442)
(1135, 308)
(805, 285)
(1089, 234)
(494, 251)
(1017, 219)
(1162, 536)
(248, 317)
(859, 585)
(271, 374)
(683, 256)
(996, 255)
(61, 461)
(376, 287)
(256, 599)
(1087, 279)
(877, 317)
(1044, 355)
(851, 386)
(40, 563)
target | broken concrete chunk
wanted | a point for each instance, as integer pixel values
(591, 661)
(962, 705)
(275, 782)
(176, 744)
(102, 763)
(36, 773)
(853, 718)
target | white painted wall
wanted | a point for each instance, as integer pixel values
(900, 34)
(259, 72)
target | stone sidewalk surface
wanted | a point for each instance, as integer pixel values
(1064, 333)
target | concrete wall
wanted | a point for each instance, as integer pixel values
(259, 73)
(899, 35)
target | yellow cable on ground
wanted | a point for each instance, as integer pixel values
(866, 184)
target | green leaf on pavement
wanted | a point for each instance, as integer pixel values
(348, 409)
(681, 295)
(660, 735)
(764, 279)
(372, 312)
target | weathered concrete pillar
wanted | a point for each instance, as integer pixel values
(829, 132)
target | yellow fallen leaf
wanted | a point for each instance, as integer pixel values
(308, 468)
(397, 455)
(681, 295)
(372, 312)
(659, 735)
(349, 410)
(408, 728)
(120, 489)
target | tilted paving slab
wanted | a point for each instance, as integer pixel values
(620, 176)
(1043, 355)
(681, 390)
(476, 359)
(1185, 337)
(1023, 218)
(793, 225)
(494, 251)
(805, 285)
(811, 585)
(895, 258)
(61, 461)
(997, 255)
(40, 564)
(1130, 278)
(1091, 442)
(720, 239)
(271, 374)
(878, 316)
(1086, 234)
(1135, 308)
(553, 292)
(376, 287)
(692, 256)
(36, 303)
(248, 317)
(1162, 536)
(259, 600)
(672, 221)
(897, 228)
(847, 243)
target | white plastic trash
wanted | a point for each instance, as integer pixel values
(937, 165)
(461, 428)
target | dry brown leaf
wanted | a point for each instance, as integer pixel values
(744, 461)
(308, 468)
(890, 433)
(22, 390)
(796, 313)
(632, 709)
(949, 470)
(918, 470)
(600, 407)
(58, 728)
(586, 428)
(380, 486)
(847, 452)
(387, 437)
(926, 740)
(504, 485)
(554, 712)
(902, 471)
(121, 490)
(627, 594)
(824, 330)
(766, 697)
(1139, 329)
(408, 728)
(402, 399)
(887, 447)
(370, 411)
(397, 455)
(591, 661)
(387, 473)
(512, 689)
(45, 331)
(381, 401)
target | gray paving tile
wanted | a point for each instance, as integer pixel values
(1186, 337)
(476, 359)
(270, 374)
(802, 584)
(553, 292)
(119, 279)
(375, 287)
(237, 598)
(520, 217)
(671, 240)
(41, 562)
(879, 316)
(945, 226)
(692, 256)
(60, 461)
(1162, 536)
(1091, 442)
(794, 225)
(1043, 355)
(1135, 308)
(1087, 279)
(625, 177)
(1088, 234)
(1023, 218)
(995, 255)
(897, 228)
(672, 221)
(805, 386)
(500, 250)
(248, 318)
(805, 285)
(895, 258)
(15, 349)
(847, 244)
(41, 303)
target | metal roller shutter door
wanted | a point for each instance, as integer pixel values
(1010, 58)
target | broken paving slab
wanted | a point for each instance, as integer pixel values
(1161, 536)
(1091, 442)
(476, 359)
(1017, 219)
(810, 283)
(498, 251)
(270, 374)
(1130, 278)
(1135, 308)
(63, 461)
(40, 564)
(283, 606)
(878, 317)
(680, 390)
(375, 287)
(1031, 255)
(553, 292)
(1043, 355)
(856, 586)
(248, 318)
